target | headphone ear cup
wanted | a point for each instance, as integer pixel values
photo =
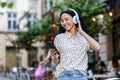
(75, 19)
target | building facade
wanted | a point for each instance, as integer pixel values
(10, 24)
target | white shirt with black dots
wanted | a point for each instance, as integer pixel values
(73, 52)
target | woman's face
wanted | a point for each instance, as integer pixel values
(67, 22)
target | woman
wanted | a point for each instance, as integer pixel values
(113, 66)
(72, 42)
(40, 67)
(100, 66)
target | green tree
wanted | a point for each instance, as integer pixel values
(41, 30)
(45, 29)
(5, 4)
(89, 9)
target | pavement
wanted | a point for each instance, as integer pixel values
(13, 77)
(4, 78)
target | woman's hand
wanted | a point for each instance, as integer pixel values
(79, 26)
(47, 57)
(93, 43)
(55, 54)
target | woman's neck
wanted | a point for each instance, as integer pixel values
(73, 31)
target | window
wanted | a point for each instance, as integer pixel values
(32, 19)
(12, 22)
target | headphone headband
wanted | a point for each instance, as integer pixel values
(76, 17)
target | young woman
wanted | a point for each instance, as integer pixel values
(72, 42)
(113, 67)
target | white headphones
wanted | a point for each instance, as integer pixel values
(75, 17)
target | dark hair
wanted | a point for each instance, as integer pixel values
(70, 12)
(115, 62)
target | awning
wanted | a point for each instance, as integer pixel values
(8, 38)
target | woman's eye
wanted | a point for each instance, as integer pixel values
(66, 19)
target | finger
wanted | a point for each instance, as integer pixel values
(49, 50)
(53, 51)
(78, 20)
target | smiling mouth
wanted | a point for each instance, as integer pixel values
(65, 27)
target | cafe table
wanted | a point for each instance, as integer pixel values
(101, 76)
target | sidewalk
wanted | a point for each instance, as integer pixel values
(4, 78)
(11, 76)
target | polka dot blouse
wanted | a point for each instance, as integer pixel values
(73, 52)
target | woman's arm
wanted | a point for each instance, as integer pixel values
(47, 57)
(55, 55)
(93, 43)
(97, 64)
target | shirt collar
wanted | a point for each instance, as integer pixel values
(69, 35)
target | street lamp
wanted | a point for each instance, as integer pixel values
(18, 49)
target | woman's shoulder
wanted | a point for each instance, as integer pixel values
(59, 35)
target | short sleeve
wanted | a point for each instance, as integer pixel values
(88, 45)
(86, 42)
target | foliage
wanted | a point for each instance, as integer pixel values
(41, 30)
(89, 9)
(117, 54)
(5, 4)
(45, 29)
(26, 38)
(107, 24)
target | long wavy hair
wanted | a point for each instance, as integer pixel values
(71, 13)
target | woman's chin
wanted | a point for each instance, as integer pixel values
(67, 29)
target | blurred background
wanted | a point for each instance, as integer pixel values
(28, 27)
